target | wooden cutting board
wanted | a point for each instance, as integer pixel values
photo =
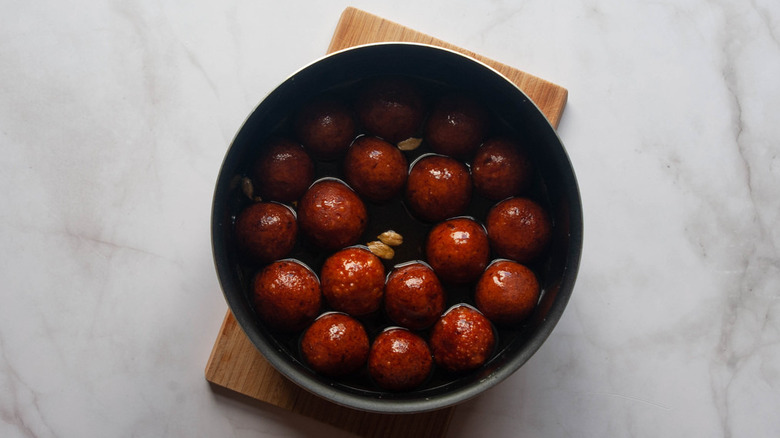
(237, 369)
(357, 27)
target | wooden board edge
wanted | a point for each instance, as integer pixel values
(301, 402)
(218, 370)
(549, 97)
(211, 364)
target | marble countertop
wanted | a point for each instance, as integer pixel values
(114, 118)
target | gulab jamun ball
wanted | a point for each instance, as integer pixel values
(346, 168)
(519, 229)
(331, 215)
(438, 188)
(458, 250)
(391, 107)
(353, 281)
(335, 345)
(399, 360)
(457, 125)
(375, 169)
(507, 292)
(266, 231)
(501, 169)
(414, 296)
(462, 340)
(325, 127)
(286, 295)
(283, 172)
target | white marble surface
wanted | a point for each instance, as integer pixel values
(115, 115)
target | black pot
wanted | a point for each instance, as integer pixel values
(439, 66)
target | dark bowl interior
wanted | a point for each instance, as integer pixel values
(558, 188)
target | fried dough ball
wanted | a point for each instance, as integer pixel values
(458, 250)
(353, 281)
(335, 345)
(519, 229)
(501, 169)
(462, 340)
(391, 108)
(326, 127)
(283, 172)
(266, 231)
(414, 296)
(286, 295)
(507, 292)
(331, 215)
(457, 125)
(399, 360)
(438, 188)
(375, 169)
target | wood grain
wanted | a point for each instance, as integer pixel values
(357, 27)
(237, 369)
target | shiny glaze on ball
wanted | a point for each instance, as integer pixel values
(375, 169)
(438, 188)
(353, 281)
(325, 127)
(391, 107)
(283, 172)
(462, 340)
(286, 296)
(501, 169)
(457, 125)
(266, 231)
(331, 215)
(399, 360)
(414, 296)
(519, 229)
(335, 345)
(458, 250)
(507, 292)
